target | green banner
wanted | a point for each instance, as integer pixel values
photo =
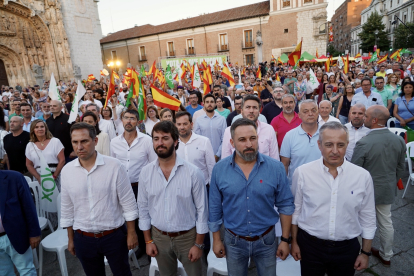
(169, 77)
(176, 62)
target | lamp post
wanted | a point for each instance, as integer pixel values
(376, 35)
(114, 64)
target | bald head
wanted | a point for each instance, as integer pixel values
(376, 117)
(55, 107)
(357, 114)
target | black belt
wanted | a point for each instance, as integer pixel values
(328, 243)
(2, 234)
(255, 238)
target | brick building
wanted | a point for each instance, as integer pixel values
(346, 17)
(230, 32)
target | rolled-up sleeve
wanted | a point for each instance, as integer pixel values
(284, 198)
(199, 192)
(144, 217)
(367, 215)
(126, 195)
(215, 205)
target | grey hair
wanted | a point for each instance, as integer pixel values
(357, 81)
(93, 104)
(307, 101)
(289, 95)
(333, 126)
(371, 70)
(241, 122)
(325, 101)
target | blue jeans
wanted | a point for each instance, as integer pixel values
(262, 251)
(343, 119)
(9, 257)
(91, 251)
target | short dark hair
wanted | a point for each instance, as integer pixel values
(25, 104)
(404, 85)
(166, 127)
(241, 122)
(208, 96)
(216, 86)
(132, 112)
(184, 113)
(238, 98)
(379, 78)
(365, 79)
(95, 118)
(78, 126)
(250, 97)
(110, 110)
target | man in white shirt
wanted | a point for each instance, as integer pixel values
(134, 150)
(172, 203)
(356, 128)
(325, 108)
(89, 98)
(334, 204)
(104, 125)
(367, 97)
(97, 199)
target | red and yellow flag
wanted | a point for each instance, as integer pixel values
(209, 75)
(358, 55)
(116, 76)
(164, 100)
(279, 60)
(102, 73)
(383, 59)
(317, 55)
(346, 63)
(227, 74)
(259, 73)
(206, 82)
(327, 65)
(91, 77)
(277, 77)
(111, 88)
(243, 71)
(152, 69)
(183, 71)
(295, 55)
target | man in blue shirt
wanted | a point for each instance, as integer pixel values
(244, 195)
(193, 106)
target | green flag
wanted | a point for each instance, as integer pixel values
(130, 94)
(284, 58)
(142, 106)
(405, 51)
(373, 58)
(169, 77)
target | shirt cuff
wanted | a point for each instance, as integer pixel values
(130, 216)
(286, 210)
(215, 226)
(368, 233)
(201, 227)
(144, 224)
(295, 219)
(64, 223)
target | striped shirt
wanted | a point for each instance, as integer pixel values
(173, 205)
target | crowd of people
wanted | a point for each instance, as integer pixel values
(268, 154)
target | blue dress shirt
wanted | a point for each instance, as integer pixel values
(213, 128)
(248, 206)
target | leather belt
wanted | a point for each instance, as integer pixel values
(134, 184)
(255, 238)
(97, 235)
(328, 243)
(2, 234)
(172, 234)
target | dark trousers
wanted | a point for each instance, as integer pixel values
(91, 251)
(320, 257)
(140, 234)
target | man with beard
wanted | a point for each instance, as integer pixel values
(266, 133)
(211, 125)
(46, 111)
(243, 195)
(356, 128)
(287, 120)
(134, 150)
(172, 203)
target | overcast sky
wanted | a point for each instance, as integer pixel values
(123, 14)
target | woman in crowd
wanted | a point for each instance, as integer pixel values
(300, 88)
(167, 115)
(6, 102)
(325, 78)
(220, 109)
(333, 98)
(341, 87)
(406, 79)
(333, 82)
(103, 138)
(404, 106)
(351, 76)
(152, 119)
(392, 85)
(68, 100)
(345, 104)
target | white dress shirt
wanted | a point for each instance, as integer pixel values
(337, 209)
(321, 122)
(98, 200)
(176, 204)
(107, 127)
(354, 136)
(199, 152)
(134, 157)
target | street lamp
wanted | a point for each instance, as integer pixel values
(114, 64)
(376, 35)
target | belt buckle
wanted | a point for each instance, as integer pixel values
(99, 233)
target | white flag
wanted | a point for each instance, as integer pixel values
(53, 90)
(75, 105)
(197, 79)
(340, 62)
(314, 83)
(49, 190)
(239, 78)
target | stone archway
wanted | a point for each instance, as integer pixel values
(3, 74)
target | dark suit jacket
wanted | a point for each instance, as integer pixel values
(17, 209)
(382, 153)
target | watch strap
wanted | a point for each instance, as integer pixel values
(366, 253)
(289, 240)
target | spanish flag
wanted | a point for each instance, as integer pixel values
(206, 82)
(327, 65)
(295, 55)
(395, 54)
(102, 73)
(183, 71)
(227, 74)
(111, 88)
(383, 59)
(164, 100)
(277, 77)
(244, 71)
(209, 75)
(91, 77)
(259, 73)
(116, 75)
(358, 56)
(317, 55)
(279, 60)
(152, 69)
(346, 64)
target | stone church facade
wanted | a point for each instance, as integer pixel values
(38, 37)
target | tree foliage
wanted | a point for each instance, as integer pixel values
(403, 37)
(368, 36)
(332, 51)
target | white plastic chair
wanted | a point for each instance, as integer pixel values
(288, 267)
(218, 265)
(397, 130)
(392, 119)
(55, 242)
(154, 267)
(410, 168)
(27, 179)
(43, 221)
(131, 255)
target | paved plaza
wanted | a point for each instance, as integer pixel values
(402, 264)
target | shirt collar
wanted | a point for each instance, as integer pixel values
(98, 162)
(302, 131)
(178, 162)
(139, 135)
(215, 114)
(340, 169)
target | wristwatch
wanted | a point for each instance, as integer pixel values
(201, 246)
(289, 240)
(366, 253)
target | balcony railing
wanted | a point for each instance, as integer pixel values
(223, 48)
(143, 58)
(247, 44)
(190, 51)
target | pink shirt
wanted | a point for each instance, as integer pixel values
(267, 141)
(282, 126)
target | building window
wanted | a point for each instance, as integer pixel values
(286, 31)
(249, 60)
(322, 28)
(113, 54)
(307, 1)
(248, 39)
(190, 47)
(224, 45)
(171, 52)
(404, 18)
(286, 3)
(142, 53)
